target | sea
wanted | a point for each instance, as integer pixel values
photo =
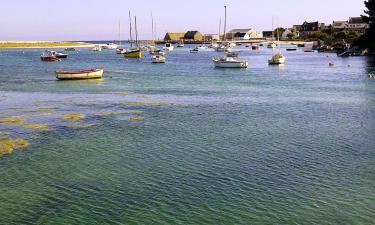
(185, 142)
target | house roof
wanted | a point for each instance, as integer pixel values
(174, 35)
(191, 34)
(338, 23)
(355, 20)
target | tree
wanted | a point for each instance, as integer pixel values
(320, 36)
(369, 36)
(281, 31)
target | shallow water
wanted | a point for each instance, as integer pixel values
(185, 143)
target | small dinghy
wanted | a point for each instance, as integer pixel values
(79, 74)
(194, 50)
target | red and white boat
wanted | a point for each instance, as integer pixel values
(48, 56)
(79, 74)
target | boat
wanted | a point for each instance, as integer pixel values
(158, 59)
(133, 52)
(248, 45)
(202, 47)
(213, 45)
(300, 45)
(97, 48)
(156, 52)
(255, 47)
(277, 59)
(308, 50)
(59, 55)
(119, 48)
(168, 47)
(331, 64)
(180, 44)
(371, 75)
(291, 49)
(230, 60)
(109, 46)
(271, 45)
(79, 74)
(69, 49)
(194, 50)
(48, 57)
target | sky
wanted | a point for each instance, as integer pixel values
(26, 20)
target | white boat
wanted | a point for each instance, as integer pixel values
(230, 60)
(271, 45)
(158, 59)
(120, 50)
(109, 46)
(96, 48)
(213, 45)
(168, 47)
(277, 59)
(156, 52)
(79, 74)
(181, 44)
(202, 47)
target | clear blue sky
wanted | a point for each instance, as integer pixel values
(98, 19)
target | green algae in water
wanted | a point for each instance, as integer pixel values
(73, 116)
(8, 145)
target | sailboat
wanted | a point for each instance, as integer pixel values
(119, 49)
(133, 52)
(223, 47)
(230, 59)
(272, 44)
(278, 58)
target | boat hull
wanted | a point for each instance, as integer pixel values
(80, 74)
(48, 58)
(133, 54)
(220, 64)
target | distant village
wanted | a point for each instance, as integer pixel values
(305, 31)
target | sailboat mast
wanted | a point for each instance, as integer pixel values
(220, 29)
(136, 31)
(225, 23)
(130, 27)
(152, 27)
(119, 31)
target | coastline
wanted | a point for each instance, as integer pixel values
(43, 44)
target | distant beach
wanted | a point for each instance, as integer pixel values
(43, 44)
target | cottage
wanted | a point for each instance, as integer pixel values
(308, 28)
(243, 34)
(339, 25)
(289, 33)
(193, 35)
(174, 36)
(357, 24)
(211, 37)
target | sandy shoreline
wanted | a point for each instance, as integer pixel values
(43, 44)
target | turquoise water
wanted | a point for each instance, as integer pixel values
(185, 143)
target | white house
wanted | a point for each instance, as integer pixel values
(243, 34)
(284, 35)
(339, 25)
(357, 24)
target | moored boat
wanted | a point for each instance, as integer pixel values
(255, 47)
(59, 55)
(69, 49)
(134, 53)
(79, 74)
(168, 47)
(158, 59)
(230, 60)
(97, 48)
(291, 49)
(194, 50)
(277, 59)
(48, 57)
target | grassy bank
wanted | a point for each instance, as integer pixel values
(42, 44)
